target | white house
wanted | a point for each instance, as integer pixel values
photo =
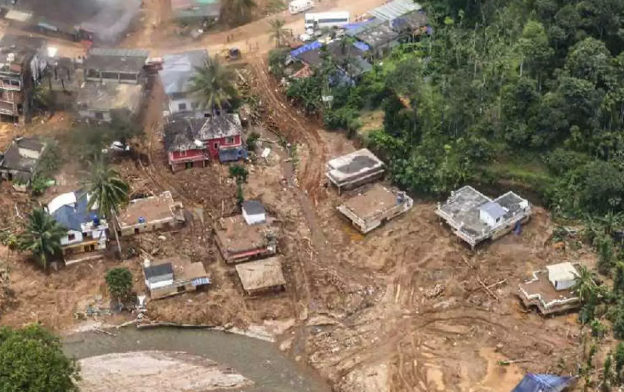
(253, 212)
(86, 231)
(176, 74)
(492, 213)
(562, 276)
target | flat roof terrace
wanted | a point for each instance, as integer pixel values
(356, 167)
(373, 201)
(462, 207)
(540, 292)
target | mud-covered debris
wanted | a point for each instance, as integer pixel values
(435, 291)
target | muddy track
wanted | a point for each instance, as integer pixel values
(294, 126)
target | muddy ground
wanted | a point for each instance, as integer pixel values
(358, 305)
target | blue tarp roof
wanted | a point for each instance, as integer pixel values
(306, 48)
(362, 46)
(71, 217)
(542, 383)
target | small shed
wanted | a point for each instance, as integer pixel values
(253, 212)
(261, 276)
(491, 213)
(562, 276)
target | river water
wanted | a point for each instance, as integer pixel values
(259, 361)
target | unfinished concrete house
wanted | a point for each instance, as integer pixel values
(173, 275)
(101, 101)
(238, 241)
(475, 217)
(375, 206)
(149, 214)
(262, 276)
(116, 65)
(551, 290)
(354, 169)
(22, 63)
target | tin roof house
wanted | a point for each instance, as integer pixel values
(19, 161)
(173, 275)
(86, 231)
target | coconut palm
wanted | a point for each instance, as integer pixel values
(213, 85)
(585, 286)
(107, 192)
(41, 236)
(238, 11)
(277, 31)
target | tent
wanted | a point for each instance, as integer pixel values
(543, 383)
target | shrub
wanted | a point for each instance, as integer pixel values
(119, 281)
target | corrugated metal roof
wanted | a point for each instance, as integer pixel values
(200, 281)
(493, 209)
(119, 52)
(395, 9)
(543, 383)
(179, 68)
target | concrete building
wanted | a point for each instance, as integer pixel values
(86, 231)
(177, 71)
(76, 20)
(22, 63)
(354, 169)
(253, 212)
(262, 276)
(149, 214)
(238, 241)
(173, 275)
(105, 65)
(475, 217)
(101, 101)
(374, 207)
(19, 161)
(551, 290)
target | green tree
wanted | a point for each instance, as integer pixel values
(277, 32)
(42, 237)
(619, 360)
(238, 11)
(213, 84)
(240, 174)
(107, 191)
(585, 286)
(606, 255)
(119, 281)
(618, 280)
(32, 360)
(124, 127)
(251, 141)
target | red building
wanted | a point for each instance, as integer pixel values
(192, 141)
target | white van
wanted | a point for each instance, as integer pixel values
(298, 6)
(326, 19)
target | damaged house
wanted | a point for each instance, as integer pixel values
(261, 276)
(354, 169)
(149, 214)
(19, 161)
(475, 217)
(115, 80)
(192, 141)
(238, 241)
(22, 63)
(76, 20)
(551, 290)
(374, 207)
(177, 71)
(173, 275)
(86, 232)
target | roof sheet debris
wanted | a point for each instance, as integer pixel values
(543, 383)
(395, 9)
(261, 274)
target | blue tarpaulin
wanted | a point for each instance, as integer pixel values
(302, 49)
(232, 154)
(362, 46)
(543, 383)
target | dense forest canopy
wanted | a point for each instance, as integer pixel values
(525, 89)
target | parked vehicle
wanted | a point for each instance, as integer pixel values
(297, 6)
(326, 19)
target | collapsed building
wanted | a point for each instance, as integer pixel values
(354, 169)
(18, 163)
(374, 207)
(76, 20)
(261, 276)
(551, 290)
(475, 217)
(238, 241)
(149, 214)
(173, 275)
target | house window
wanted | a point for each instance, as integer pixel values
(71, 236)
(99, 116)
(182, 106)
(216, 145)
(229, 140)
(181, 289)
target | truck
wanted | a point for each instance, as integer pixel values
(297, 6)
(326, 19)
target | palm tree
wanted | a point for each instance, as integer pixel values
(277, 31)
(585, 286)
(611, 222)
(238, 11)
(107, 191)
(213, 84)
(41, 236)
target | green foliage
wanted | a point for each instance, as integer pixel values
(343, 118)
(32, 359)
(41, 236)
(618, 280)
(119, 282)
(239, 173)
(38, 185)
(598, 330)
(277, 58)
(619, 359)
(50, 161)
(213, 84)
(307, 92)
(123, 128)
(106, 189)
(251, 141)
(606, 254)
(237, 12)
(277, 32)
